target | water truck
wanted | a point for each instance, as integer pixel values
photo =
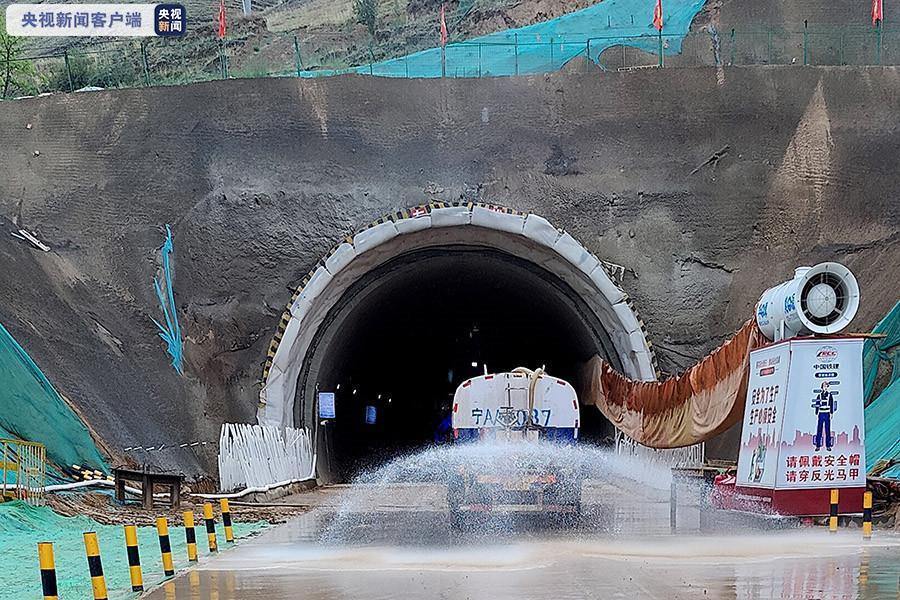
(519, 407)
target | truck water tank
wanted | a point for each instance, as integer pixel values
(821, 299)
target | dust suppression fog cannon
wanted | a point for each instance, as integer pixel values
(819, 300)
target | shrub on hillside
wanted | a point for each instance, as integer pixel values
(110, 69)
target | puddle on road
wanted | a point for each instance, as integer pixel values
(802, 564)
(622, 548)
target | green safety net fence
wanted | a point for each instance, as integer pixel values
(32, 410)
(878, 350)
(22, 526)
(883, 409)
(544, 47)
(883, 432)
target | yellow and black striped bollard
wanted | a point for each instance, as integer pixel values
(134, 559)
(833, 515)
(165, 546)
(98, 582)
(48, 570)
(867, 515)
(190, 535)
(210, 527)
(226, 520)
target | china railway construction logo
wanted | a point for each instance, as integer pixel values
(89, 20)
(826, 354)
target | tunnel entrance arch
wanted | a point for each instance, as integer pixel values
(435, 293)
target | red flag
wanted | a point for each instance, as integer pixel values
(221, 19)
(877, 11)
(657, 16)
(443, 27)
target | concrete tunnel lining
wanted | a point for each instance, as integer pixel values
(528, 237)
(409, 331)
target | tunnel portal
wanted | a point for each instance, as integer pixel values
(393, 327)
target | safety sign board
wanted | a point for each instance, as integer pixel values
(326, 405)
(803, 420)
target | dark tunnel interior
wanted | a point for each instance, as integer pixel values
(424, 323)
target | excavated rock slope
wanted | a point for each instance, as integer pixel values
(706, 190)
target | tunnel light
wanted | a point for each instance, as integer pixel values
(354, 391)
(379, 396)
(338, 387)
(389, 400)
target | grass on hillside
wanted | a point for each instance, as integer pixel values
(267, 43)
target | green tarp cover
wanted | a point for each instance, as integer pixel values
(31, 409)
(883, 411)
(23, 526)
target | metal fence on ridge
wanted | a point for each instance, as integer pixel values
(155, 62)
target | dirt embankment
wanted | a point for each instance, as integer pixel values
(259, 178)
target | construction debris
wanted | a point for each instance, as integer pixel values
(713, 159)
(28, 236)
(101, 508)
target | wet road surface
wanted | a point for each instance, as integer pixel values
(402, 547)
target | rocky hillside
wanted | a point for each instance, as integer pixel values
(706, 188)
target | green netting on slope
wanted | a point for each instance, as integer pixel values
(547, 46)
(23, 526)
(31, 409)
(883, 412)
(884, 349)
(883, 430)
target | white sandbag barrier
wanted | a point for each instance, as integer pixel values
(257, 456)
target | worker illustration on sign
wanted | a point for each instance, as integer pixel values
(758, 462)
(825, 406)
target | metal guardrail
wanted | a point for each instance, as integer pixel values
(23, 470)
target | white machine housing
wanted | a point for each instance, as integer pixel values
(822, 299)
